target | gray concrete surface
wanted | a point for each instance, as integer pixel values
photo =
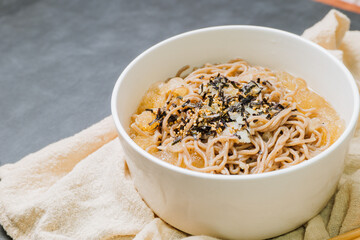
(59, 60)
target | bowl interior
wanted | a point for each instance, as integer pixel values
(267, 47)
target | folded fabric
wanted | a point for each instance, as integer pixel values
(80, 187)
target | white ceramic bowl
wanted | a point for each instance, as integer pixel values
(237, 207)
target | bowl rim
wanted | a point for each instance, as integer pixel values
(348, 130)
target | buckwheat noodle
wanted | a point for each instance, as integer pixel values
(268, 131)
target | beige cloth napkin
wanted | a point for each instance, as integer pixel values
(80, 188)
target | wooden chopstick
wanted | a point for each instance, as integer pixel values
(352, 235)
(341, 4)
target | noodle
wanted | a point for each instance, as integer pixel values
(229, 119)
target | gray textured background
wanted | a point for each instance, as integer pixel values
(59, 60)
